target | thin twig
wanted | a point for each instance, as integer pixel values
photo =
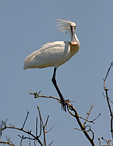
(36, 125)
(50, 129)
(108, 71)
(88, 115)
(46, 121)
(43, 126)
(50, 143)
(96, 117)
(9, 143)
(99, 141)
(108, 99)
(90, 121)
(25, 120)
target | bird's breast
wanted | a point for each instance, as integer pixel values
(73, 49)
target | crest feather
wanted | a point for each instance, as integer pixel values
(64, 25)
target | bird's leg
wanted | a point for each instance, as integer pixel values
(59, 93)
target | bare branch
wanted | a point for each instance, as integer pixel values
(43, 126)
(108, 99)
(75, 114)
(96, 117)
(8, 142)
(88, 115)
(24, 131)
(25, 119)
(107, 141)
(108, 71)
(99, 141)
(50, 129)
(72, 111)
(36, 95)
(46, 121)
(50, 143)
(91, 121)
(36, 125)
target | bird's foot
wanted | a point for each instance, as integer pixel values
(64, 104)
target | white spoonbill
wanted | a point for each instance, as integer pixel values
(55, 53)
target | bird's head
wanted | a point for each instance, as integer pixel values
(68, 26)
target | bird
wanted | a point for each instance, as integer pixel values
(54, 54)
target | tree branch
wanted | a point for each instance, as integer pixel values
(71, 109)
(108, 99)
(33, 137)
(88, 115)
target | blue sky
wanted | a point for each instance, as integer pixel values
(25, 26)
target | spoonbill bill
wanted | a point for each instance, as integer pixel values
(55, 54)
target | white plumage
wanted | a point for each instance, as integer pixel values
(51, 54)
(55, 53)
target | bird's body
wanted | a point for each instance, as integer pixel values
(55, 54)
(51, 54)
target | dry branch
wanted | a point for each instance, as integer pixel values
(88, 115)
(108, 100)
(31, 136)
(74, 113)
(71, 108)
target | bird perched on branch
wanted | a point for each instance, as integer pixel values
(55, 54)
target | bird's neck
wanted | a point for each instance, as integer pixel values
(75, 38)
(74, 48)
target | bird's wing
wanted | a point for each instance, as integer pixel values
(49, 55)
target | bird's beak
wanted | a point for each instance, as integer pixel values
(73, 38)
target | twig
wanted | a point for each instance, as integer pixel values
(34, 143)
(50, 129)
(50, 143)
(27, 132)
(75, 114)
(90, 121)
(22, 139)
(88, 115)
(25, 119)
(108, 99)
(36, 95)
(99, 141)
(43, 126)
(46, 121)
(9, 143)
(108, 71)
(24, 131)
(96, 117)
(108, 142)
(36, 125)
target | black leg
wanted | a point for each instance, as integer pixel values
(59, 93)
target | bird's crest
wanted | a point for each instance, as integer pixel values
(64, 25)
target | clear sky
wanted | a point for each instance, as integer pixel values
(26, 25)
